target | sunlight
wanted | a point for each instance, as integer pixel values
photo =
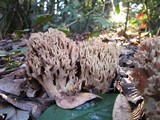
(38, 2)
(118, 18)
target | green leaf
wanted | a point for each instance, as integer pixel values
(3, 4)
(45, 27)
(102, 21)
(76, 3)
(43, 19)
(3, 53)
(117, 9)
(13, 64)
(20, 50)
(116, 5)
(24, 30)
(1, 15)
(20, 32)
(64, 29)
(95, 33)
(97, 109)
(20, 1)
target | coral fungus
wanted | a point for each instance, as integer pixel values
(148, 59)
(62, 66)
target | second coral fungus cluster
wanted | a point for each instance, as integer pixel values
(148, 59)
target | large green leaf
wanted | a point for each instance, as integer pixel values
(3, 4)
(43, 19)
(97, 109)
(104, 23)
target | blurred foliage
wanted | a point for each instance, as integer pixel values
(14, 15)
(145, 13)
(76, 16)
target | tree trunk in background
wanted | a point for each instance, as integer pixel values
(148, 16)
(52, 7)
(64, 15)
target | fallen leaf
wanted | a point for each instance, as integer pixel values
(10, 85)
(121, 109)
(129, 90)
(14, 113)
(35, 106)
(19, 51)
(15, 82)
(19, 103)
(6, 109)
(30, 92)
(3, 53)
(139, 78)
(138, 112)
(69, 102)
(20, 115)
(37, 110)
(2, 70)
(3, 116)
(8, 71)
(13, 64)
(96, 109)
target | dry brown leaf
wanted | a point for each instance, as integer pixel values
(37, 110)
(22, 104)
(11, 85)
(121, 109)
(2, 70)
(70, 102)
(35, 105)
(14, 113)
(7, 109)
(15, 83)
(139, 78)
(129, 90)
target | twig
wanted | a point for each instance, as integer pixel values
(18, 98)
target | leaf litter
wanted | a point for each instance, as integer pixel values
(25, 97)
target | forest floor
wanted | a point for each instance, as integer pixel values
(20, 98)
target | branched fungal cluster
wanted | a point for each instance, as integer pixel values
(62, 66)
(148, 59)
